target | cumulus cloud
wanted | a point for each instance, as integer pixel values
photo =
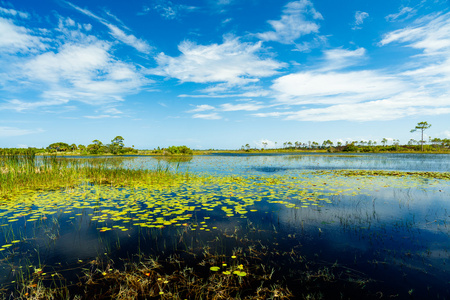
(67, 65)
(298, 19)
(333, 93)
(86, 73)
(232, 62)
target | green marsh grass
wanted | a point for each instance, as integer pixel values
(21, 171)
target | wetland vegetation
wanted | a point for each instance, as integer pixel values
(273, 226)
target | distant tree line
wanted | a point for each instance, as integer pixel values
(116, 146)
(173, 150)
(434, 144)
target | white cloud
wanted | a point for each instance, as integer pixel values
(15, 39)
(380, 110)
(294, 23)
(211, 116)
(335, 87)
(359, 19)
(251, 94)
(102, 117)
(430, 34)
(14, 13)
(224, 107)
(170, 11)
(403, 14)
(203, 107)
(116, 32)
(390, 108)
(341, 58)
(307, 46)
(272, 114)
(231, 62)
(240, 106)
(331, 94)
(19, 105)
(86, 73)
(128, 39)
(13, 131)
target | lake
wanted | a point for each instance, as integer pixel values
(283, 223)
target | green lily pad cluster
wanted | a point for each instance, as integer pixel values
(158, 205)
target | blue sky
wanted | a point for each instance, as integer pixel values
(224, 73)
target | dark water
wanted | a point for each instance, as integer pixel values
(385, 237)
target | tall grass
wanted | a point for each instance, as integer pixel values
(22, 171)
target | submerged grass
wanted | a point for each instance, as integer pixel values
(250, 271)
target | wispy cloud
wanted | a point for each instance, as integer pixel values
(116, 32)
(14, 13)
(20, 105)
(203, 107)
(102, 117)
(298, 19)
(359, 19)
(169, 10)
(15, 38)
(430, 34)
(13, 131)
(211, 116)
(341, 58)
(241, 106)
(341, 87)
(404, 14)
(232, 62)
(226, 107)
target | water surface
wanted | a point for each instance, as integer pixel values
(387, 236)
